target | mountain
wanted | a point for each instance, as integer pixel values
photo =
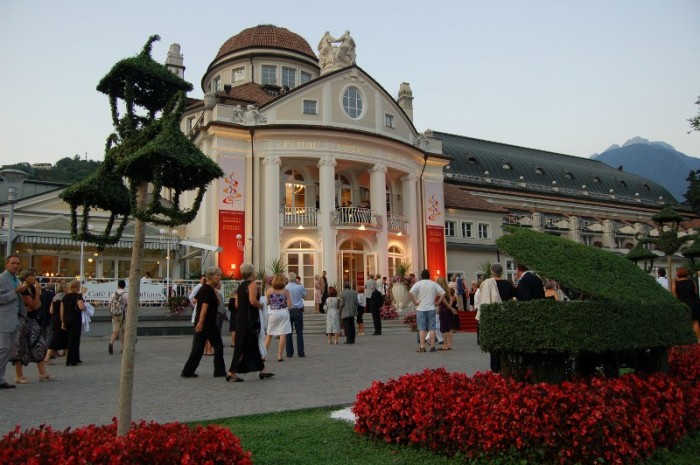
(657, 161)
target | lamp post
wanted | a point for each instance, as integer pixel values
(169, 240)
(82, 253)
(14, 180)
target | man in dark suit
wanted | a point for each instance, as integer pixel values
(530, 286)
(10, 306)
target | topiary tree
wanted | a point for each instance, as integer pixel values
(145, 156)
(622, 314)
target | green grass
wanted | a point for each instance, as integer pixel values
(311, 437)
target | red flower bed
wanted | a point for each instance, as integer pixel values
(146, 443)
(618, 420)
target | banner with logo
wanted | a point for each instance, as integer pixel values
(434, 208)
(231, 202)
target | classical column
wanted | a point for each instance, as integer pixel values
(411, 208)
(575, 228)
(609, 231)
(326, 200)
(270, 249)
(377, 198)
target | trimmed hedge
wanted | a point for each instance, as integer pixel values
(628, 318)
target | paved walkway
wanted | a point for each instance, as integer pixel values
(327, 376)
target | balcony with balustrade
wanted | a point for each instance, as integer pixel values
(397, 224)
(295, 217)
(356, 217)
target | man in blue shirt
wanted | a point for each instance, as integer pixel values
(296, 315)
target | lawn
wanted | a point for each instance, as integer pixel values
(311, 437)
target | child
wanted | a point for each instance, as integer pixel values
(332, 315)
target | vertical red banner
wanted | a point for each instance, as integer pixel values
(231, 202)
(434, 228)
(231, 223)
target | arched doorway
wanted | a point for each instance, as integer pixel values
(354, 263)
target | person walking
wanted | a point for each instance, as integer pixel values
(208, 302)
(246, 355)
(59, 338)
(117, 310)
(297, 292)
(348, 311)
(423, 294)
(10, 307)
(376, 302)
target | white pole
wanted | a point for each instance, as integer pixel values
(82, 246)
(11, 197)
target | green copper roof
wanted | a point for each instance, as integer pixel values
(484, 162)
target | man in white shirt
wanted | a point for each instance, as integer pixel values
(662, 279)
(425, 294)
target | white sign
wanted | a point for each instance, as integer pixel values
(102, 292)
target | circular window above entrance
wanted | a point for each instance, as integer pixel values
(352, 102)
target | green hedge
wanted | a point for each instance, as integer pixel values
(582, 326)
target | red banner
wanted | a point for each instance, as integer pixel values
(435, 248)
(231, 223)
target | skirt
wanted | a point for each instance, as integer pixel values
(332, 321)
(30, 345)
(278, 322)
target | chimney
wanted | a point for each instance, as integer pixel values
(405, 99)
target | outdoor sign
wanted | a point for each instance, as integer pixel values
(102, 292)
(434, 208)
(231, 201)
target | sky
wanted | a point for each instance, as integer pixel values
(567, 76)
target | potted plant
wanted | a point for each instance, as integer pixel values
(399, 286)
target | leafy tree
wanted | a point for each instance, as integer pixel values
(695, 122)
(692, 195)
(148, 153)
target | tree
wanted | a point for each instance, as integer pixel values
(692, 195)
(150, 154)
(695, 122)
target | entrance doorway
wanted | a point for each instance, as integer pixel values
(352, 266)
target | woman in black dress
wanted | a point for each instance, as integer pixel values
(246, 354)
(684, 289)
(72, 308)
(59, 341)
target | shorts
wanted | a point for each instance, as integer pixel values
(117, 323)
(425, 320)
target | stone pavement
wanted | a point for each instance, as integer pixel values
(327, 376)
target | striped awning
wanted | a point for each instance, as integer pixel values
(59, 240)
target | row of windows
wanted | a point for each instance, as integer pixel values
(268, 76)
(467, 231)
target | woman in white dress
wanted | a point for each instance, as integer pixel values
(332, 315)
(278, 300)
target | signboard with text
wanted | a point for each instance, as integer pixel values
(231, 202)
(434, 208)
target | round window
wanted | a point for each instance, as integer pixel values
(352, 102)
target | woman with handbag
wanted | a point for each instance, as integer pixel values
(30, 345)
(246, 354)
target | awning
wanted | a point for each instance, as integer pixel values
(47, 240)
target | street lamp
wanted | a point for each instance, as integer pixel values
(14, 180)
(242, 245)
(82, 253)
(169, 240)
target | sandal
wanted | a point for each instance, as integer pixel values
(21, 380)
(421, 349)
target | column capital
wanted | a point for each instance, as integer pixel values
(378, 168)
(272, 160)
(410, 178)
(327, 160)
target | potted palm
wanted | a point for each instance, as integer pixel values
(399, 286)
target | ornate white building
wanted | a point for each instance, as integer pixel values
(325, 170)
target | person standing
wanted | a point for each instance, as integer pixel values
(494, 290)
(278, 313)
(324, 285)
(246, 355)
(206, 329)
(361, 305)
(10, 307)
(72, 308)
(297, 292)
(530, 286)
(117, 310)
(59, 338)
(662, 279)
(348, 311)
(370, 287)
(683, 289)
(375, 306)
(318, 294)
(462, 294)
(332, 315)
(46, 298)
(423, 294)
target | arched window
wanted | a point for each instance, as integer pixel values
(294, 189)
(395, 256)
(472, 161)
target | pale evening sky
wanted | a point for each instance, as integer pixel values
(571, 77)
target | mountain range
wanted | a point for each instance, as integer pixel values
(657, 161)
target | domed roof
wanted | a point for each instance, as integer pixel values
(266, 36)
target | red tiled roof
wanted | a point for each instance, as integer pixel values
(266, 36)
(456, 197)
(249, 92)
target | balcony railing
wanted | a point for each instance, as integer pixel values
(356, 217)
(398, 224)
(299, 216)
